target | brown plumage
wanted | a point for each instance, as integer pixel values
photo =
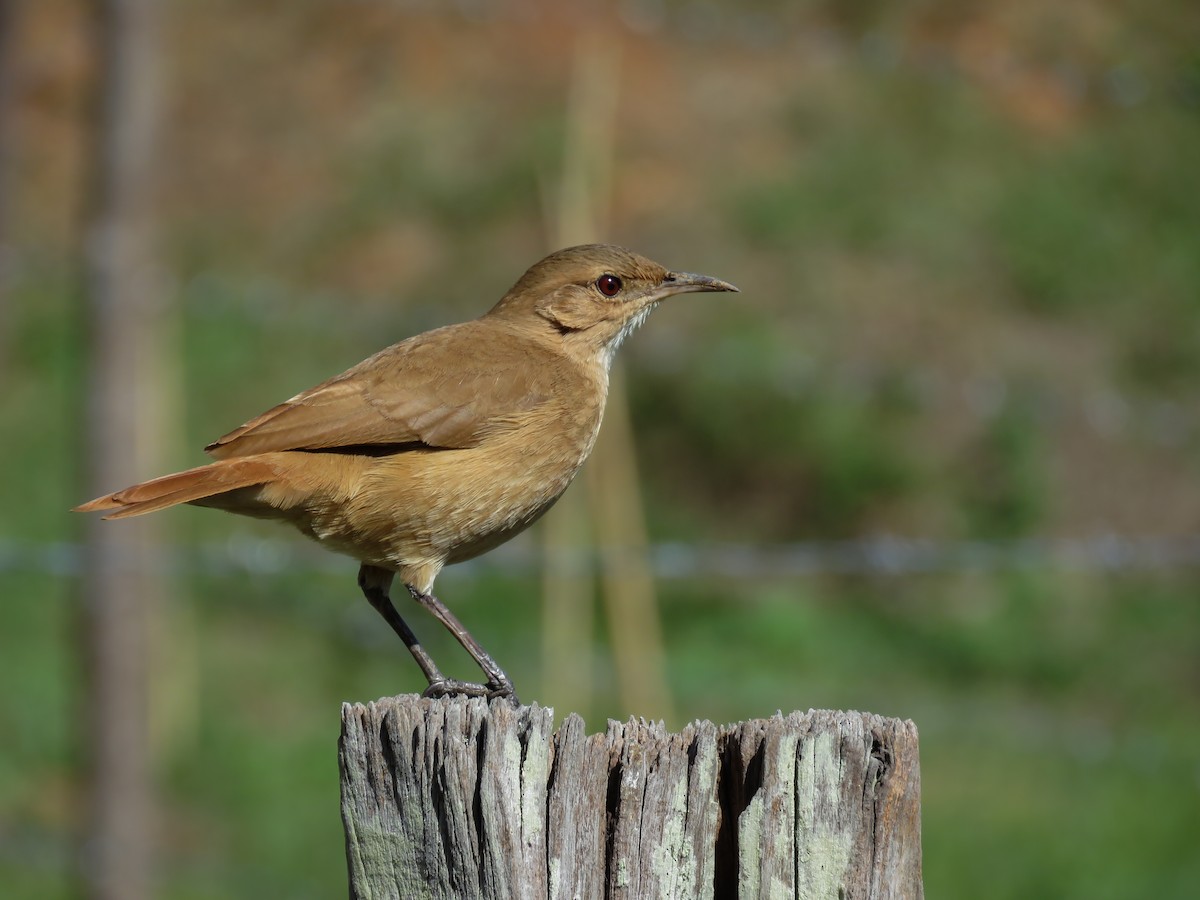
(442, 446)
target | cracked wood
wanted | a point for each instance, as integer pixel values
(455, 798)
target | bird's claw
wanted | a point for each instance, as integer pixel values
(452, 687)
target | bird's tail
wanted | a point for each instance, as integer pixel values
(183, 487)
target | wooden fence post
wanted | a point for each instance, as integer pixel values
(459, 798)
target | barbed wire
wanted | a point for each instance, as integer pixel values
(881, 555)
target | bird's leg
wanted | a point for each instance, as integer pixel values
(375, 584)
(499, 684)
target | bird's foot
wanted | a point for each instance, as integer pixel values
(452, 687)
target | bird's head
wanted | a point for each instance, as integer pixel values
(596, 294)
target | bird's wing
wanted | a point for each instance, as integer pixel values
(444, 389)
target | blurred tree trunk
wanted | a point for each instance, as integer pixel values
(125, 308)
(8, 22)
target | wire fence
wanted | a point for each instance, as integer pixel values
(879, 556)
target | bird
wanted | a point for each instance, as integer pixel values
(442, 446)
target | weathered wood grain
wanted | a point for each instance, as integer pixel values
(457, 798)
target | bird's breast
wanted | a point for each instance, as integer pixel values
(518, 476)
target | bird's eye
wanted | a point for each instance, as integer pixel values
(608, 285)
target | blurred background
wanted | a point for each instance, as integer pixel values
(940, 459)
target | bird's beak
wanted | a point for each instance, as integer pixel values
(686, 282)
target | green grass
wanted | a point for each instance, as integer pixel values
(1067, 753)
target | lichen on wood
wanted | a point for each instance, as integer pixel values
(462, 798)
